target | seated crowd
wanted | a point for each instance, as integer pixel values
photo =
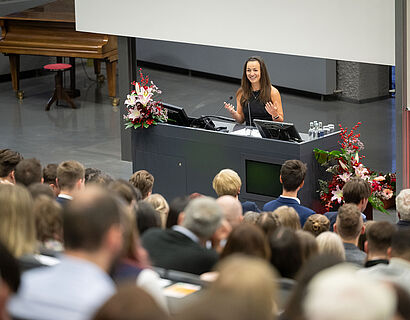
(76, 243)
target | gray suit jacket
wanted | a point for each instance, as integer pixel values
(354, 254)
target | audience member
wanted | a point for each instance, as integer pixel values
(292, 177)
(96, 176)
(133, 266)
(245, 289)
(403, 208)
(398, 270)
(9, 159)
(144, 181)
(130, 303)
(182, 247)
(340, 293)
(70, 179)
(293, 309)
(288, 217)
(49, 225)
(232, 210)
(161, 205)
(176, 207)
(349, 226)
(286, 252)
(356, 191)
(378, 243)
(363, 236)
(268, 222)
(50, 177)
(228, 183)
(316, 224)
(40, 189)
(147, 217)
(247, 239)
(126, 191)
(9, 279)
(28, 171)
(331, 244)
(79, 285)
(250, 217)
(308, 243)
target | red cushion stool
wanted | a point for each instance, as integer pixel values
(59, 92)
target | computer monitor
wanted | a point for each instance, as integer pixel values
(277, 130)
(262, 178)
(176, 115)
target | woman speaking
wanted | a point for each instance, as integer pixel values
(256, 96)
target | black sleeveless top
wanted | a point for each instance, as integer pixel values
(257, 108)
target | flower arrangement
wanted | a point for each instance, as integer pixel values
(345, 164)
(142, 109)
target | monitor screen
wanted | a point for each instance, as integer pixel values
(176, 115)
(277, 130)
(262, 178)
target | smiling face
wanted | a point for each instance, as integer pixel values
(253, 72)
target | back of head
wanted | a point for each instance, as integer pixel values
(355, 190)
(308, 243)
(69, 173)
(8, 161)
(161, 205)
(49, 219)
(286, 252)
(400, 244)
(176, 206)
(379, 235)
(28, 171)
(316, 224)
(227, 182)
(293, 173)
(331, 243)
(250, 280)
(288, 217)
(88, 218)
(202, 216)
(268, 222)
(50, 173)
(251, 217)
(341, 293)
(125, 190)
(349, 221)
(147, 216)
(232, 209)
(403, 204)
(40, 189)
(17, 228)
(130, 303)
(144, 181)
(98, 177)
(247, 239)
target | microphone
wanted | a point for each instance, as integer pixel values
(223, 105)
(249, 113)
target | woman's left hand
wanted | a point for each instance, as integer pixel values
(272, 109)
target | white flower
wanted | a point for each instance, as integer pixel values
(144, 95)
(345, 176)
(134, 114)
(361, 171)
(337, 195)
(131, 100)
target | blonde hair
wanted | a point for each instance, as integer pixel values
(288, 217)
(331, 243)
(227, 183)
(316, 224)
(161, 205)
(17, 227)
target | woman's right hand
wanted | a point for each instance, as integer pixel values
(230, 108)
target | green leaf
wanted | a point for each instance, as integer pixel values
(377, 204)
(129, 125)
(136, 126)
(146, 125)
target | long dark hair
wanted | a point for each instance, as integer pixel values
(246, 88)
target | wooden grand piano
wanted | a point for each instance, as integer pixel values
(49, 30)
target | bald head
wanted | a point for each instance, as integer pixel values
(232, 209)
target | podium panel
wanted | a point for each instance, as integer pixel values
(184, 160)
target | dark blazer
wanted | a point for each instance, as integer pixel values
(332, 215)
(403, 224)
(170, 249)
(249, 206)
(62, 201)
(302, 211)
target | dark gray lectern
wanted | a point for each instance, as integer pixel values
(184, 160)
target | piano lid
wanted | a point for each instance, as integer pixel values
(57, 11)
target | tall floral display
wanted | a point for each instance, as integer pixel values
(346, 163)
(142, 109)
